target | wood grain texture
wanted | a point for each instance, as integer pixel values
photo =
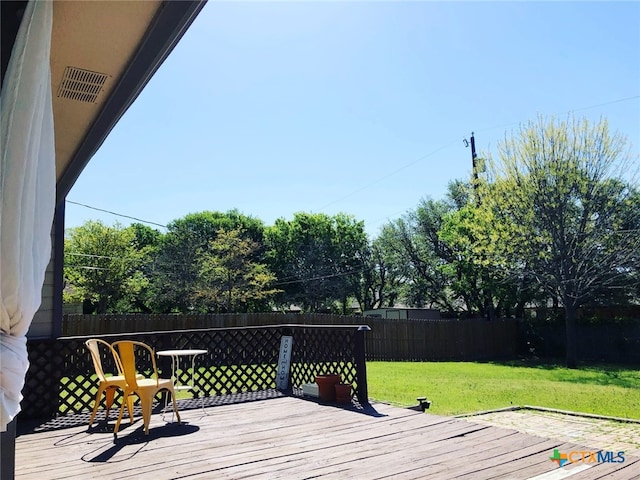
(293, 438)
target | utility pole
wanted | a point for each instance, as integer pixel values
(474, 165)
(489, 311)
(474, 156)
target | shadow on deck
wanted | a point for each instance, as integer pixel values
(272, 435)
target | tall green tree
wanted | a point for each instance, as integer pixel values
(102, 267)
(318, 259)
(488, 288)
(414, 251)
(380, 282)
(229, 280)
(176, 269)
(146, 241)
(145, 236)
(560, 191)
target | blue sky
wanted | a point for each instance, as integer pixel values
(356, 107)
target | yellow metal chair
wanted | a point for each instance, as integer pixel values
(145, 388)
(108, 384)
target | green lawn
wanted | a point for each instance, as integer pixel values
(466, 387)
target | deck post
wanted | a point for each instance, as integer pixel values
(361, 366)
(8, 451)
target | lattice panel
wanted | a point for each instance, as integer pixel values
(318, 352)
(61, 378)
(40, 393)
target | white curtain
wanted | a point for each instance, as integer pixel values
(27, 190)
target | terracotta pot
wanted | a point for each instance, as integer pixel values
(326, 386)
(343, 392)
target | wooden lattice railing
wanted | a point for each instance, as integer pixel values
(61, 377)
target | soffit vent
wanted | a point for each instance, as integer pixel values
(81, 85)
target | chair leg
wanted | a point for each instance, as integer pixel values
(96, 404)
(130, 407)
(127, 394)
(175, 405)
(109, 394)
(146, 400)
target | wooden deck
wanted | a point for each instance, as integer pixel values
(275, 436)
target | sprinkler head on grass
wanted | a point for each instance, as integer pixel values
(424, 403)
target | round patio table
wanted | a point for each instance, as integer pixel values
(178, 385)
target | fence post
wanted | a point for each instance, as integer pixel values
(361, 366)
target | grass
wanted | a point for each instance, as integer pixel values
(466, 387)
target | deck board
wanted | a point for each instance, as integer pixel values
(293, 438)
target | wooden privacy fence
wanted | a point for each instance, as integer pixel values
(389, 339)
(438, 340)
(73, 325)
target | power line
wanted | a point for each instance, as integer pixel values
(620, 100)
(404, 167)
(579, 109)
(321, 277)
(389, 175)
(117, 214)
(88, 255)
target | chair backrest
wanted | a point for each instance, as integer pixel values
(126, 350)
(94, 345)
